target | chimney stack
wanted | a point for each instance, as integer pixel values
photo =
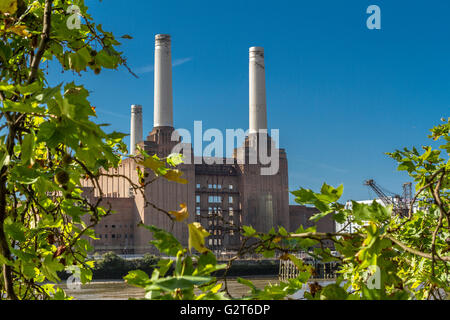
(163, 104)
(257, 88)
(136, 127)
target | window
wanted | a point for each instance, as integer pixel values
(230, 199)
(100, 236)
(219, 186)
(197, 198)
(131, 192)
(214, 199)
(230, 211)
(113, 236)
(106, 226)
(106, 236)
(209, 186)
(113, 226)
(210, 210)
(230, 187)
(197, 210)
(198, 186)
(126, 236)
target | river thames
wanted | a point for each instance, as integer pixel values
(119, 290)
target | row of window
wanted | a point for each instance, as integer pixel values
(215, 186)
(215, 242)
(115, 236)
(120, 226)
(212, 210)
(214, 199)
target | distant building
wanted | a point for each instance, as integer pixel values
(349, 227)
(221, 197)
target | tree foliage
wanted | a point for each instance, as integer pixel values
(387, 256)
(49, 143)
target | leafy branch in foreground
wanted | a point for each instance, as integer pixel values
(50, 143)
(386, 256)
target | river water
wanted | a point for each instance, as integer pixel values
(119, 290)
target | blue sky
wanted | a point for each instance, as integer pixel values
(341, 95)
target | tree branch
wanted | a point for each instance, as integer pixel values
(45, 36)
(414, 251)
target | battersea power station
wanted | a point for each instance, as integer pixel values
(222, 195)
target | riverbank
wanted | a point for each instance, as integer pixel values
(120, 290)
(111, 266)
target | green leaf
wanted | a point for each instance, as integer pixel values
(248, 283)
(106, 60)
(268, 254)
(305, 196)
(164, 241)
(47, 94)
(155, 164)
(330, 194)
(21, 107)
(28, 148)
(282, 231)
(15, 230)
(374, 212)
(164, 266)
(3, 260)
(319, 216)
(407, 165)
(173, 283)
(333, 292)
(175, 159)
(31, 88)
(28, 270)
(340, 217)
(137, 278)
(248, 231)
(8, 6)
(79, 60)
(50, 267)
(4, 159)
(7, 88)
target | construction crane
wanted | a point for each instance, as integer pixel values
(401, 204)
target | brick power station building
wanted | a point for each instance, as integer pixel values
(221, 196)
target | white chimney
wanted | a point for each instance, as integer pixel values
(136, 127)
(257, 88)
(163, 106)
